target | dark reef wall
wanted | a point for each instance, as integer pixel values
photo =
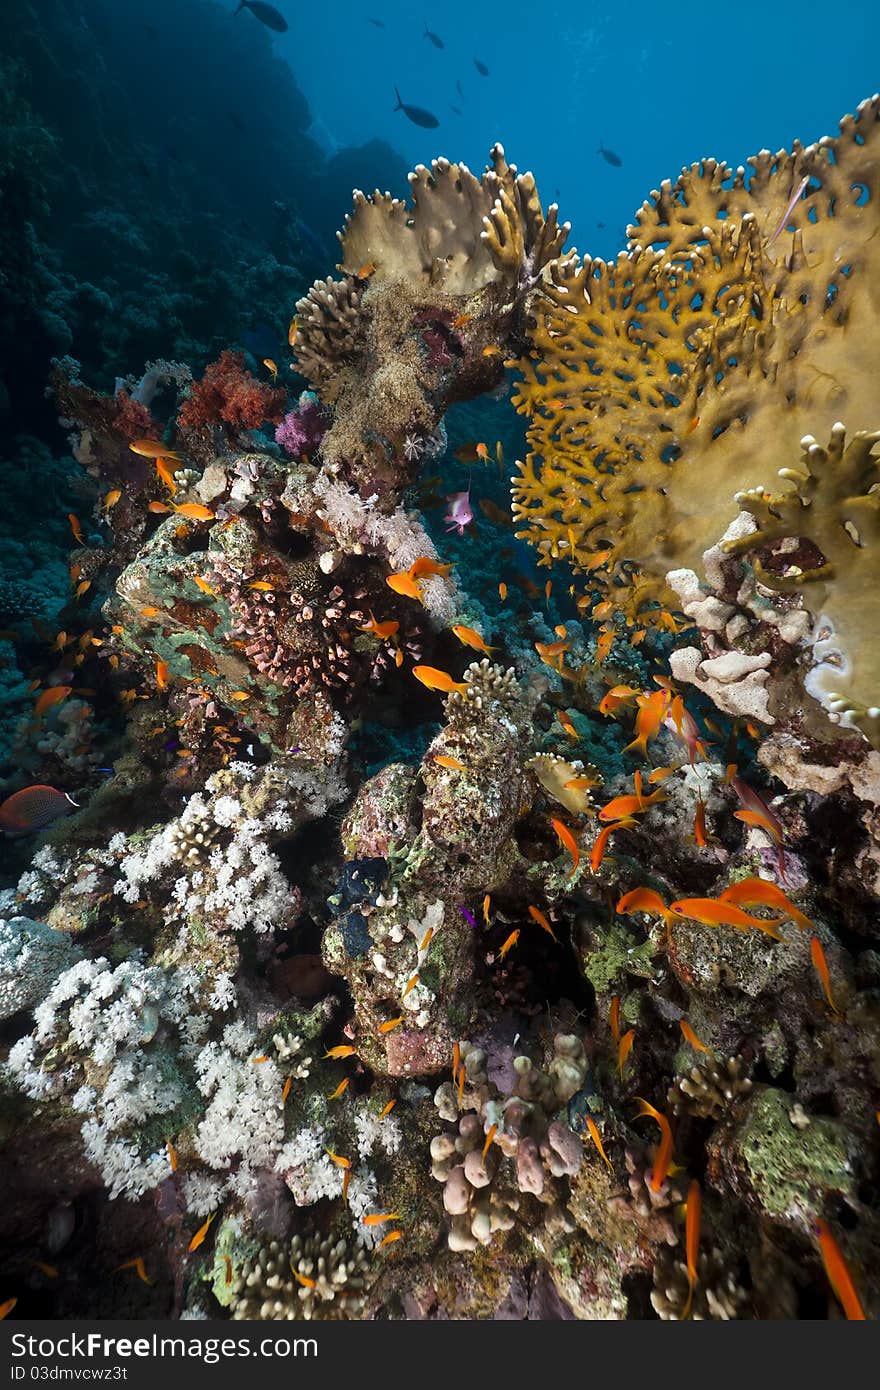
(160, 195)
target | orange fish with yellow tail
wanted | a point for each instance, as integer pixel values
(596, 1138)
(472, 639)
(663, 1156)
(404, 584)
(435, 679)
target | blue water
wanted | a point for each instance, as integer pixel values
(660, 85)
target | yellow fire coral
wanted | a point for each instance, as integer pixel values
(831, 504)
(742, 318)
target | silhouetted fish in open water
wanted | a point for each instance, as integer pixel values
(610, 156)
(456, 109)
(435, 38)
(417, 114)
(378, 23)
(458, 87)
(266, 14)
(481, 68)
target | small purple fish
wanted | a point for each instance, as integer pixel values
(460, 512)
(466, 915)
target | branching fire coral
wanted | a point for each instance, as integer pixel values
(716, 341)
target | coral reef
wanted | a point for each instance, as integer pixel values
(408, 952)
(431, 296)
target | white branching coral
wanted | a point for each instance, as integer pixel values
(119, 1043)
(231, 877)
(244, 1119)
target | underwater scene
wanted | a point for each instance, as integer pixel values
(439, 661)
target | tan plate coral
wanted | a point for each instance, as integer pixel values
(432, 295)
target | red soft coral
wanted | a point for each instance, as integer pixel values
(227, 394)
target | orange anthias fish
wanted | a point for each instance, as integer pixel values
(567, 840)
(820, 965)
(389, 1239)
(614, 1018)
(644, 900)
(493, 1130)
(604, 643)
(461, 320)
(404, 584)
(201, 1233)
(624, 1048)
(6, 1307)
(502, 591)
(292, 329)
(304, 1279)
(509, 944)
(623, 807)
(617, 695)
(663, 1157)
(390, 1023)
(568, 726)
(76, 528)
(285, 1089)
(386, 1110)
(839, 1276)
(340, 1089)
(410, 984)
(751, 892)
(550, 651)
(692, 1240)
(596, 1137)
(652, 709)
(172, 1155)
(701, 834)
(437, 680)
(204, 586)
(471, 639)
(111, 498)
(338, 1159)
(152, 449)
(713, 913)
(161, 674)
(271, 367)
(195, 511)
(538, 916)
(53, 696)
(342, 1050)
(487, 904)
(381, 630)
(601, 842)
(691, 1037)
(446, 760)
(380, 1217)
(137, 1264)
(32, 808)
(166, 476)
(424, 565)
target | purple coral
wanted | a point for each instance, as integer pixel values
(303, 428)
